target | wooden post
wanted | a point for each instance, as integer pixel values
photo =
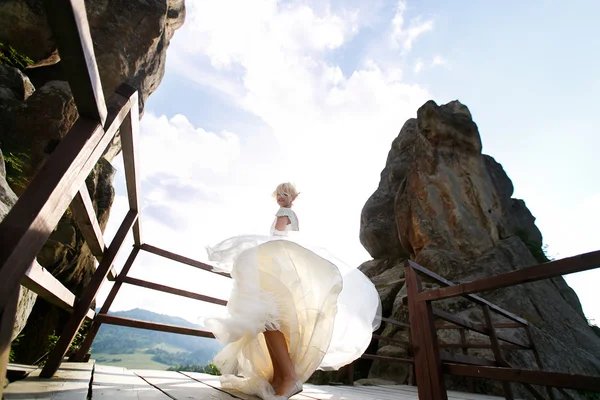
(538, 359)
(428, 364)
(129, 137)
(423, 384)
(91, 335)
(7, 321)
(69, 25)
(496, 349)
(465, 351)
(434, 361)
(90, 293)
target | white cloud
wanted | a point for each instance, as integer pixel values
(438, 60)
(418, 66)
(402, 36)
(326, 130)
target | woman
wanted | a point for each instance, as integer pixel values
(293, 308)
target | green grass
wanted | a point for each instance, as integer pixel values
(137, 360)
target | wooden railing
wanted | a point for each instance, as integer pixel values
(431, 363)
(462, 326)
(61, 183)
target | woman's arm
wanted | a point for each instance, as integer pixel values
(282, 222)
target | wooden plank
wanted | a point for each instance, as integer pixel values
(417, 336)
(87, 298)
(541, 378)
(496, 325)
(42, 282)
(71, 382)
(168, 289)
(466, 324)
(475, 298)
(394, 322)
(215, 383)
(538, 359)
(465, 352)
(496, 349)
(129, 140)
(552, 269)
(93, 331)
(119, 383)
(7, 321)
(465, 359)
(434, 362)
(155, 326)
(70, 29)
(85, 216)
(29, 223)
(181, 259)
(385, 358)
(392, 340)
(478, 346)
(180, 386)
(18, 371)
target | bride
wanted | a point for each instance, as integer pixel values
(294, 308)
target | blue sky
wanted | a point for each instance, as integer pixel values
(315, 92)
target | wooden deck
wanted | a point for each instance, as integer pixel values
(82, 381)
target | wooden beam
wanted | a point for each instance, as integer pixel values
(85, 216)
(392, 340)
(129, 144)
(496, 325)
(538, 359)
(168, 289)
(7, 321)
(471, 297)
(181, 259)
(508, 394)
(81, 353)
(76, 319)
(154, 326)
(552, 269)
(42, 282)
(418, 344)
(394, 322)
(478, 346)
(469, 325)
(29, 223)
(465, 359)
(69, 25)
(386, 358)
(541, 378)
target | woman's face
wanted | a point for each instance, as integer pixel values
(284, 200)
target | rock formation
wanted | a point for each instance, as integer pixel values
(37, 110)
(448, 207)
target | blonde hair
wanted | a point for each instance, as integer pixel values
(286, 188)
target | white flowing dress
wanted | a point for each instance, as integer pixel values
(325, 309)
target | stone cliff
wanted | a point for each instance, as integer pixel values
(448, 207)
(37, 110)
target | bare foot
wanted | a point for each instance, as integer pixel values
(275, 383)
(286, 385)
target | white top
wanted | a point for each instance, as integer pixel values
(292, 226)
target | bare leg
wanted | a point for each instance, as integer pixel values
(279, 352)
(276, 379)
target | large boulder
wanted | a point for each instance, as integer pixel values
(26, 297)
(448, 207)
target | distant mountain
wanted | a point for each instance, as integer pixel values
(167, 348)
